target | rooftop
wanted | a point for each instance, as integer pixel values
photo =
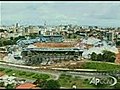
(1, 74)
(54, 45)
(26, 86)
(117, 61)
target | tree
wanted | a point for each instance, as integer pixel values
(118, 43)
(51, 84)
(117, 86)
(1, 84)
(33, 35)
(108, 56)
(17, 38)
(0, 43)
(8, 42)
(21, 37)
(96, 27)
(10, 86)
(74, 36)
(40, 82)
(69, 35)
(11, 38)
(99, 57)
(94, 56)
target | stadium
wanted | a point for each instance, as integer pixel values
(45, 53)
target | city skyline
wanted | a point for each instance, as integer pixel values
(54, 13)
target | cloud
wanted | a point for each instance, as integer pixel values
(76, 13)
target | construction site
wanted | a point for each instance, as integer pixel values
(48, 53)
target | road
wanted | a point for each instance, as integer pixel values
(55, 76)
(54, 73)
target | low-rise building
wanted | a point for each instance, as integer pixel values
(3, 53)
(46, 38)
(27, 86)
(117, 60)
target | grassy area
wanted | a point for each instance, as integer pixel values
(25, 74)
(101, 66)
(81, 83)
(93, 65)
(67, 81)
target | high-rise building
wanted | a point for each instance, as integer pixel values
(110, 35)
(16, 25)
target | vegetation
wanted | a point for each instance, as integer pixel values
(33, 35)
(11, 41)
(118, 43)
(102, 86)
(94, 56)
(47, 84)
(10, 86)
(1, 84)
(93, 65)
(40, 76)
(117, 86)
(40, 82)
(82, 83)
(51, 84)
(101, 66)
(106, 56)
(25, 74)
(68, 81)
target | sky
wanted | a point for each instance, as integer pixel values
(64, 12)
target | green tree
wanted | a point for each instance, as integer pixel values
(117, 86)
(118, 43)
(21, 37)
(40, 82)
(94, 56)
(0, 43)
(2, 69)
(69, 36)
(10, 86)
(74, 36)
(108, 56)
(51, 84)
(99, 57)
(1, 84)
(11, 38)
(96, 27)
(33, 35)
(17, 38)
(8, 42)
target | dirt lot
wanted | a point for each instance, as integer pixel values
(64, 64)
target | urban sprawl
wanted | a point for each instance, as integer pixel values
(66, 56)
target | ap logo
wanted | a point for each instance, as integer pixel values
(110, 80)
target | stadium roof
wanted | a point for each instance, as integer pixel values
(52, 49)
(54, 45)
